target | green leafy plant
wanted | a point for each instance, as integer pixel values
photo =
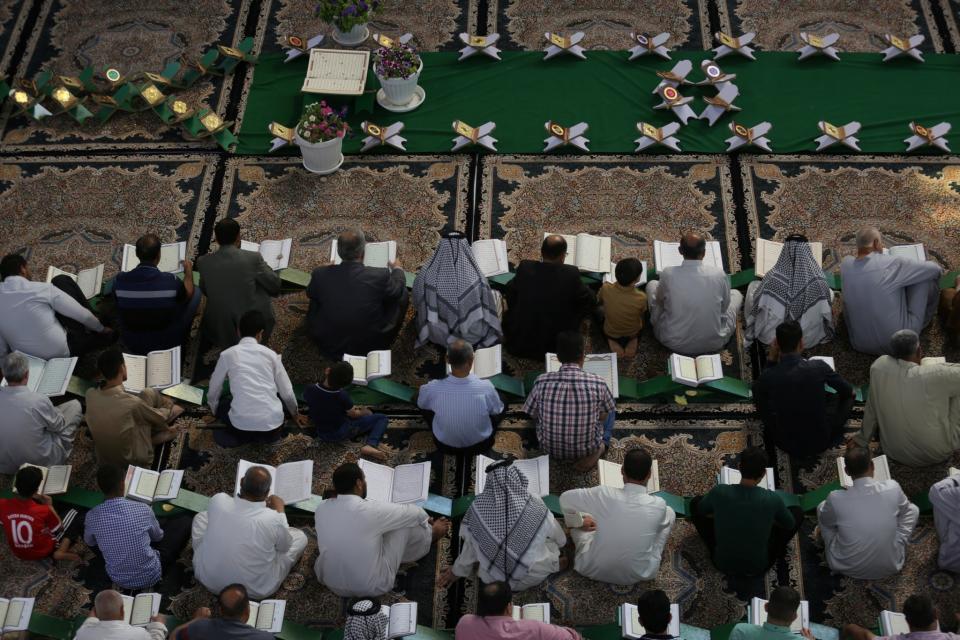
(346, 14)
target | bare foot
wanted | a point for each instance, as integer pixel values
(631, 350)
(208, 419)
(165, 436)
(66, 555)
(373, 452)
(175, 412)
(615, 347)
(441, 527)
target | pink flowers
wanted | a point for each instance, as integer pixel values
(321, 122)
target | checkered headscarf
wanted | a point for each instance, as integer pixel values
(366, 621)
(796, 281)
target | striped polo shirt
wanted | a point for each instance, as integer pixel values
(148, 299)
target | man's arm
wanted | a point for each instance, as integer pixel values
(585, 299)
(835, 380)
(855, 632)
(187, 283)
(494, 403)
(532, 404)
(67, 306)
(202, 612)
(266, 278)
(869, 425)
(216, 384)
(284, 386)
(783, 518)
(395, 285)
(47, 415)
(580, 500)
(907, 514)
(390, 517)
(907, 272)
(156, 533)
(827, 516)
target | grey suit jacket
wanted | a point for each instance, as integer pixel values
(235, 281)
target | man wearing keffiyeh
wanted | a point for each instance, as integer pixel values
(366, 621)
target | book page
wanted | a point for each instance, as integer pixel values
(379, 481)
(480, 477)
(359, 364)
(57, 479)
(4, 607)
(160, 369)
(571, 247)
(768, 252)
(912, 252)
(246, 245)
(171, 257)
(254, 611)
(90, 281)
(610, 473)
(55, 376)
(666, 254)
(552, 363)
(378, 364)
(136, 372)
(828, 359)
(129, 259)
(373, 364)
(593, 253)
(653, 483)
(634, 626)
(605, 366)
(881, 468)
(713, 255)
(537, 472)
(410, 482)
(491, 257)
(294, 481)
(337, 72)
(142, 609)
(536, 612)
(265, 615)
(168, 486)
(686, 367)
(378, 254)
(488, 362)
(145, 483)
(53, 272)
(15, 614)
(893, 623)
(276, 253)
(403, 619)
(709, 368)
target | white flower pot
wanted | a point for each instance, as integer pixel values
(351, 38)
(321, 157)
(399, 91)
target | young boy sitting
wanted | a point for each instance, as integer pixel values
(34, 530)
(623, 308)
(334, 416)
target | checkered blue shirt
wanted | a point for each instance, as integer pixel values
(124, 529)
(567, 405)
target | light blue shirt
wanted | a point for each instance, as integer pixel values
(462, 408)
(766, 631)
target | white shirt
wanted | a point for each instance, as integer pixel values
(690, 309)
(242, 543)
(350, 542)
(945, 497)
(632, 529)
(256, 377)
(28, 322)
(865, 528)
(95, 629)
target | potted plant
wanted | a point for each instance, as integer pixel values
(349, 19)
(319, 135)
(398, 70)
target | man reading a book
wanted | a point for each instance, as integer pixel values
(624, 530)
(234, 606)
(105, 622)
(653, 610)
(543, 299)
(494, 619)
(33, 430)
(915, 406)
(866, 527)
(883, 293)
(945, 498)
(922, 620)
(745, 527)
(355, 308)
(781, 612)
(692, 308)
(246, 539)
(574, 410)
(126, 427)
(234, 282)
(33, 528)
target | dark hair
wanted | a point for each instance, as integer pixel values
(857, 461)
(236, 606)
(351, 244)
(553, 247)
(340, 376)
(27, 481)
(569, 346)
(148, 247)
(110, 478)
(109, 363)
(251, 323)
(695, 251)
(345, 477)
(653, 609)
(919, 611)
(11, 265)
(753, 463)
(494, 598)
(789, 335)
(783, 603)
(636, 465)
(627, 271)
(226, 231)
(459, 353)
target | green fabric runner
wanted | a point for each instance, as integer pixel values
(612, 95)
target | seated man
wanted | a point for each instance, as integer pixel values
(234, 606)
(653, 610)
(354, 308)
(624, 530)
(156, 308)
(798, 415)
(366, 620)
(46, 320)
(543, 299)
(883, 294)
(135, 551)
(362, 544)
(574, 410)
(865, 528)
(246, 539)
(623, 306)
(508, 534)
(795, 289)
(745, 527)
(106, 622)
(922, 620)
(692, 308)
(234, 281)
(461, 409)
(914, 407)
(945, 498)
(126, 427)
(260, 389)
(950, 312)
(34, 530)
(334, 416)
(33, 430)
(494, 619)
(781, 610)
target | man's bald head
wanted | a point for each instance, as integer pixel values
(351, 245)
(869, 240)
(108, 605)
(234, 602)
(693, 246)
(255, 484)
(553, 248)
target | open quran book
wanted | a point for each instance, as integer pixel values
(667, 254)
(138, 610)
(539, 611)
(401, 619)
(171, 257)
(587, 252)
(375, 254)
(487, 362)
(729, 475)
(56, 478)
(912, 252)
(276, 253)
(267, 615)
(768, 252)
(89, 280)
(491, 257)
(290, 481)
(49, 377)
(893, 623)
(881, 471)
(144, 485)
(536, 470)
(611, 475)
(401, 484)
(158, 369)
(611, 277)
(15, 614)
(695, 371)
(375, 364)
(601, 364)
(631, 628)
(758, 614)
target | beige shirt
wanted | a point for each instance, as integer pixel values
(915, 408)
(123, 424)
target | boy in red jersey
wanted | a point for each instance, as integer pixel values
(33, 529)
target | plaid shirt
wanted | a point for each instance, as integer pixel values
(567, 405)
(124, 529)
